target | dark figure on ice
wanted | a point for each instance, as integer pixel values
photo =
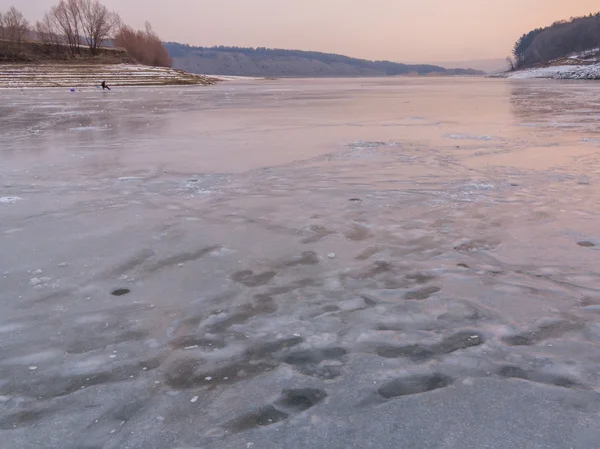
(104, 86)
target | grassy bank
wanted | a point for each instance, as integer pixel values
(36, 52)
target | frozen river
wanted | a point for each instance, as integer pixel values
(323, 264)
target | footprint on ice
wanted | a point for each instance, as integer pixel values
(414, 384)
(289, 403)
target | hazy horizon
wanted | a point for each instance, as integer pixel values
(434, 31)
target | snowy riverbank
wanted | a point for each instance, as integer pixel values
(584, 65)
(569, 72)
(88, 75)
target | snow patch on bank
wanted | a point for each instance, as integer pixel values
(572, 72)
(91, 75)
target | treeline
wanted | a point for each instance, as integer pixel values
(14, 30)
(144, 45)
(183, 51)
(557, 40)
(75, 23)
(76, 28)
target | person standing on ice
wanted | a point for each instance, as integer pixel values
(104, 86)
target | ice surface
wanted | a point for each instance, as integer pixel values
(301, 264)
(9, 199)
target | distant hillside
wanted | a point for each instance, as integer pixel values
(559, 40)
(487, 65)
(265, 62)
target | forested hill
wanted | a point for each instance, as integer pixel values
(265, 62)
(559, 40)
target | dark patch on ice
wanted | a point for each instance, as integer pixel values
(355, 200)
(187, 341)
(120, 292)
(91, 340)
(462, 265)
(422, 293)
(458, 341)
(193, 372)
(296, 401)
(314, 356)
(306, 258)
(249, 279)
(57, 386)
(473, 246)
(541, 333)
(180, 258)
(368, 253)
(317, 233)
(139, 259)
(560, 381)
(417, 352)
(99, 432)
(515, 372)
(127, 411)
(269, 349)
(308, 362)
(290, 402)
(45, 298)
(379, 267)
(262, 305)
(512, 371)
(320, 311)
(586, 244)
(420, 278)
(20, 419)
(590, 301)
(329, 309)
(415, 384)
(414, 352)
(357, 233)
(264, 416)
(326, 372)
(295, 285)
(368, 301)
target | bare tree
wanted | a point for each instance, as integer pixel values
(44, 30)
(144, 45)
(2, 29)
(14, 30)
(510, 63)
(15, 27)
(48, 32)
(97, 23)
(66, 17)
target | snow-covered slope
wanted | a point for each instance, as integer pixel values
(583, 65)
(77, 75)
(575, 72)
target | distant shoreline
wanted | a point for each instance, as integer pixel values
(273, 62)
(89, 76)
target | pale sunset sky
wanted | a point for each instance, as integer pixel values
(398, 30)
